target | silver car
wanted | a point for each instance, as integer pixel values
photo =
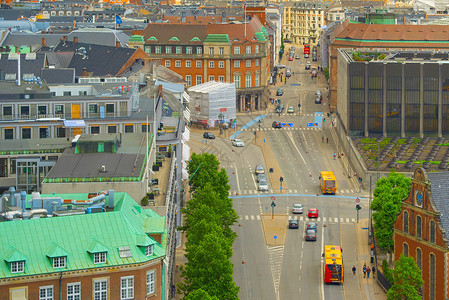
(262, 185)
(297, 209)
(260, 177)
(259, 169)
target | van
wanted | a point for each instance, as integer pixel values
(318, 97)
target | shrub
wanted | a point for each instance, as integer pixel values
(144, 201)
(388, 273)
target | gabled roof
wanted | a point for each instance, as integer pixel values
(77, 236)
(439, 190)
(163, 32)
(98, 60)
(29, 63)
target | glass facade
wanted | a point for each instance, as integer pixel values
(375, 97)
(445, 108)
(394, 98)
(430, 89)
(412, 85)
(357, 97)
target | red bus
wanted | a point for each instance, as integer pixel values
(306, 49)
(333, 264)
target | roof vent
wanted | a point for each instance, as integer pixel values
(13, 56)
(30, 56)
(103, 169)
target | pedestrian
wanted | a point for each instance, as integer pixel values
(374, 271)
(322, 139)
(335, 155)
(364, 270)
(368, 271)
(354, 270)
(327, 140)
(324, 120)
(328, 115)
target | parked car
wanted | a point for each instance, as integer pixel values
(208, 135)
(290, 110)
(314, 58)
(259, 170)
(238, 143)
(260, 177)
(297, 209)
(280, 66)
(262, 185)
(276, 124)
(297, 57)
(311, 226)
(279, 92)
(318, 97)
(308, 66)
(290, 57)
(310, 235)
(293, 224)
(288, 72)
(306, 55)
(314, 73)
(313, 213)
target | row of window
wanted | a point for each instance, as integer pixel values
(61, 261)
(198, 50)
(101, 289)
(237, 79)
(418, 227)
(62, 13)
(199, 64)
(24, 110)
(298, 18)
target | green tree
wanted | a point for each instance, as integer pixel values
(199, 295)
(407, 280)
(386, 205)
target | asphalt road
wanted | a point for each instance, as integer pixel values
(292, 270)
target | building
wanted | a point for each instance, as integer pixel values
(231, 53)
(103, 247)
(302, 21)
(375, 37)
(393, 93)
(421, 231)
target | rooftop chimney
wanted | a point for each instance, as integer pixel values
(75, 39)
(84, 73)
(44, 42)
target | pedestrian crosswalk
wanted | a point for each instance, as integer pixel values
(283, 128)
(295, 114)
(303, 218)
(347, 192)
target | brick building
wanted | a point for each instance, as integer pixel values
(383, 37)
(421, 231)
(81, 251)
(231, 53)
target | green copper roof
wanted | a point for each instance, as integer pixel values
(264, 31)
(174, 39)
(152, 38)
(195, 39)
(260, 36)
(393, 41)
(78, 236)
(136, 38)
(217, 38)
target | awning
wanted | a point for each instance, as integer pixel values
(74, 123)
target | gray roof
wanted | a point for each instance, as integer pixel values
(127, 162)
(439, 190)
(58, 75)
(28, 64)
(34, 144)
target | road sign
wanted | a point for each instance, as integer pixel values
(273, 198)
(275, 237)
(287, 124)
(312, 124)
(357, 200)
(281, 188)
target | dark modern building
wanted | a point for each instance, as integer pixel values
(394, 93)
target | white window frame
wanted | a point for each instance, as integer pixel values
(178, 50)
(257, 63)
(236, 50)
(211, 78)
(46, 289)
(211, 50)
(188, 63)
(211, 64)
(188, 80)
(199, 79)
(199, 50)
(102, 292)
(248, 49)
(189, 50)
(59, 262)
(177, 64)
(256, 48)
(157, 50)
(127, 288)
(236, 63)
(149, 249)
(221, 50)
(248, 80)
(100, 258)
(167, 63)
(256, 79)
(221, 64)
(237, 81)
(151, 282)
(17, 266)
(167, 49)
(248, 63)
(198, 64)
(72, 294)
(148, 49)
(221, 78)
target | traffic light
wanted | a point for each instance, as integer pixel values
(273, 204)
(358, 207)
(271, 170)
(281, 179)
(259, 122)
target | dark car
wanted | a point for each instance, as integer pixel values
(293, 224)
(276, 124)
(311, 226)
(310, 235)
(279, 108)
(279, 92)
(307, 66)
(314, 58)
(208, 135)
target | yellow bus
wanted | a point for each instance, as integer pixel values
(328, 183)
(333, 264)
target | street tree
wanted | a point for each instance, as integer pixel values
(407, 280)
(386, 205)
(199, 294)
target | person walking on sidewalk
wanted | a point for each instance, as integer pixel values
(364, 270)
(322, 139)
(368, 271)
(374, 271)
(335, 155)
(354, 269)
(327, 140)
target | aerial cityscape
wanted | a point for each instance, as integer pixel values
(211, 150)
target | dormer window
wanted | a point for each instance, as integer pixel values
(149, 250)
(100, 258)
(59, 262)
(17, 266)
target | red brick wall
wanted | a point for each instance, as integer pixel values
(86, 278)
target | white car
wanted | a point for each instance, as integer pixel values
(297, 209)
(238, 143)
(263, 185)
(290, 110)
